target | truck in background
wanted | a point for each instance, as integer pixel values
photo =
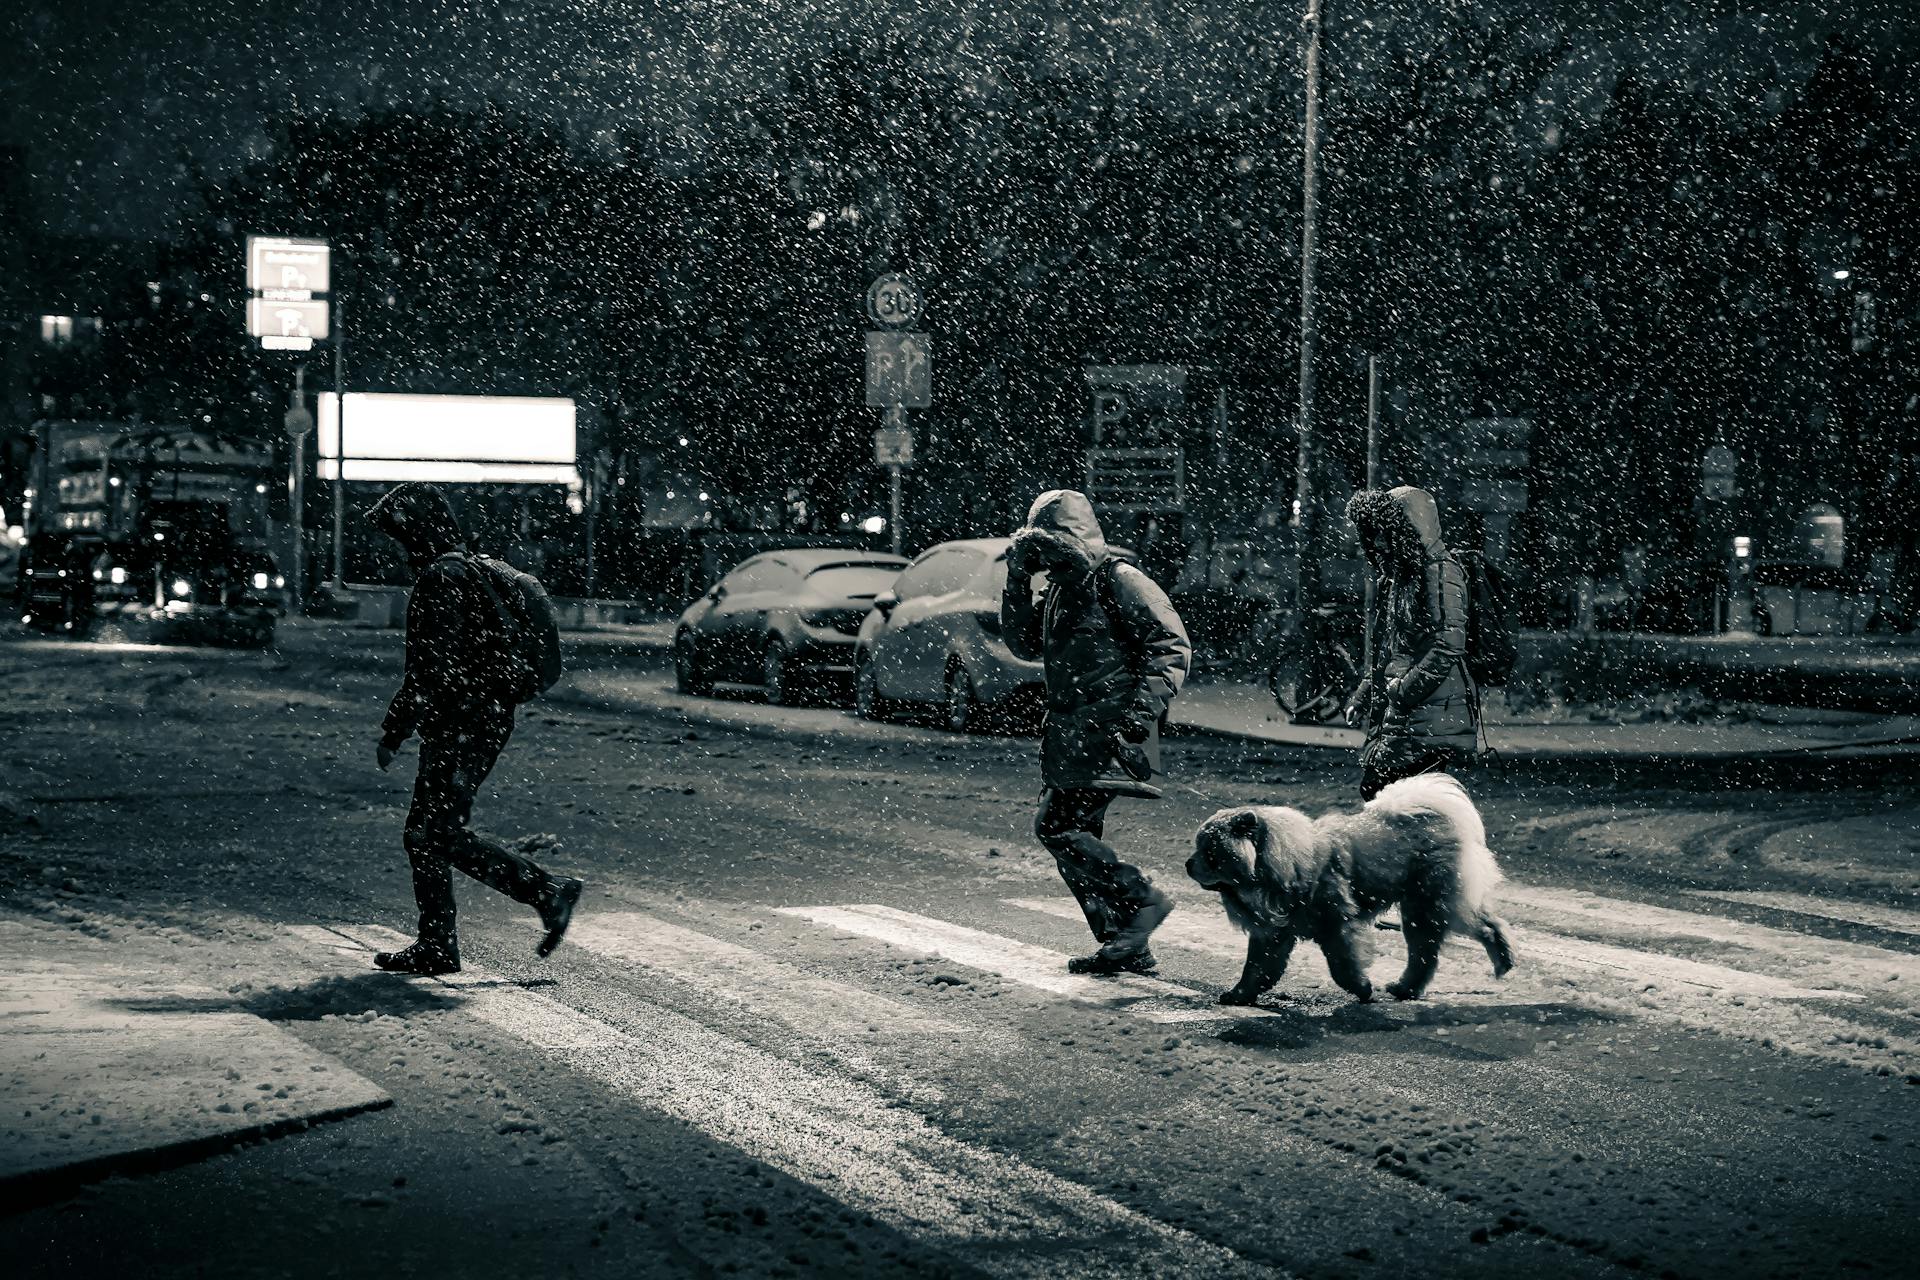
(159, 525)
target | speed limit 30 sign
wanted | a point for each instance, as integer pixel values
(894, 301)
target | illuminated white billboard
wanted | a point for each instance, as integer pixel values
(454, 439)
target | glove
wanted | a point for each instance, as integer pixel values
(1142, 715)
(1360, 710)
(1020, 560)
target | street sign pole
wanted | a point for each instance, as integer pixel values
(299, 420)
(340, 424)
(896, 419)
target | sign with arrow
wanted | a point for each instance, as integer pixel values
(899, 370)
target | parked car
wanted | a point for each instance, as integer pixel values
(933, 640)
(779, 617)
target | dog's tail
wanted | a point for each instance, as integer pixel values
(1438, 798)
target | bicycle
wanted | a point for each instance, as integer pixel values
(1315, 667)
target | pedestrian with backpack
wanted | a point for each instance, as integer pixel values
(1417, 700)
(1115, 654)
(481, 639)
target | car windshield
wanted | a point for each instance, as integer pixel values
(852, 579)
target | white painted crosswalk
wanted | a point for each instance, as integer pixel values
(1029, 965)
(995, 1212)
(809, 1003)
(852, 1139)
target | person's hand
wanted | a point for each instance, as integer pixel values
(1393, 695)
(1020, 560)
(1361, 708)
(1142, 714)
(384, 754)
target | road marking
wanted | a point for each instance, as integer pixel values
(1024, 963)
(815, 1005)
(1202, 931)
(1892, 919)
(1205, 928)
(1844, 964)
(996, 1213)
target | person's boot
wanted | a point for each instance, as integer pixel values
(1105, 961)
(1128, 951)
(424, 958)
(556, 913)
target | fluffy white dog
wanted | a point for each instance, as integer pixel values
(1283, 876)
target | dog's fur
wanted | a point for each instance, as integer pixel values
(1283, 876)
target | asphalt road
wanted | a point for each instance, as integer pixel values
(814, 1016)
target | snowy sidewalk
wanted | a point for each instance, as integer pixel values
(1248, 711)
(107, 1069)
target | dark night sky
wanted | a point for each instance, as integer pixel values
(108, 96)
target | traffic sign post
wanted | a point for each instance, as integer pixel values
(899, 377)
(893, 449)
(298, 421)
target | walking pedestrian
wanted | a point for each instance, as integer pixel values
(1415, 698)
(1115, 654)
(456, 694)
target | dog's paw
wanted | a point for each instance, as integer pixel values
(1401, 991)
(1239, 995)
(1364, 993)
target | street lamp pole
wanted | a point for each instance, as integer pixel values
(1305, 495)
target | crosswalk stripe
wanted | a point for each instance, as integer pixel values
(1892, 919)
(819, 1006)
(1205, 929)
(1021, 962)
(1219, 938)
(1845, 964)
(997, 1213)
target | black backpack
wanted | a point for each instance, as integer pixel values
(528, 630)
(1493, 643)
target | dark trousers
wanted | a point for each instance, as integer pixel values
(1070, 823)
(1392, 755)
(452, 767)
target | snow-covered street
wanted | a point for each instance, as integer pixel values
(814, 1014)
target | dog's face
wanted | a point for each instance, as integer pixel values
(1263, 861)
(1226, 852)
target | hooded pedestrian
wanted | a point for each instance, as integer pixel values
(1415, 699)
(454, 695)
(1115, 654)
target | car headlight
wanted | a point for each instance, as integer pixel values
(259, 582)
(117, 576)
(182, 588)
(97, 575)
(279, 581)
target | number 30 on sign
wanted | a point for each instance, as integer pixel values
(894, 301)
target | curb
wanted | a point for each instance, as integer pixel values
(38, 1187)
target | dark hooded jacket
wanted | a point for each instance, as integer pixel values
(454, 630)
(1113, 646)
(1416, 673)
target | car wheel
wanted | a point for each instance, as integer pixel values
(774, 676)
(867, 702)
(686, 668)
(962, 708)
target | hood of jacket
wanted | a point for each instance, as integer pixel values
(418, 517)
(1404, 522)
(1061, 522)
